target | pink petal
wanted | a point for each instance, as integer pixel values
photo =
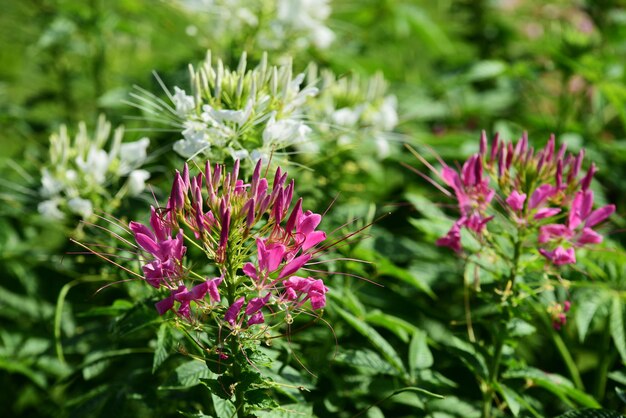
(516, 200)
(250, 271)
(599, 215)
(589, 236)
(294, 265)
(147, 243)
(233, 311)
(546, 213)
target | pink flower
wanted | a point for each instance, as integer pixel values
(452, 238)
(233, 311)
(559, 256)
(516, 200)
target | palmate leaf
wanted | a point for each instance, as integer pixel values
(617, 326)
(165, 342)
(377, 340)
(586, 310)
(591, 413)
(223, 408)
(187, 374)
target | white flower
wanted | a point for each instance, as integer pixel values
(137, 181)
(322, 36)
(49, 185)
(346, 116)
(190, 148)
(133, 155)
(241, 154)
(184, 103)
(50, 209)
(307, 15)
(96, 165)
(285, 132)
(382, 146)
(386, 118)
(82, 207)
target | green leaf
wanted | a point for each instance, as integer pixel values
(386, 268)
(557, 384)
(223, 408)
(294, 410)
(220, 386)
(617, 327)
(420, 356)
(164, 345)
(511, 398)
(519, 328)
(585, 312)
(188, 374)
(377, 340)
(468, 354)
(591, 413)
(400, 327)
(365, 359)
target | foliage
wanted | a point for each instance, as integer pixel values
(334, 90)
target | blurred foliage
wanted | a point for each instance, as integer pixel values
(396, 347)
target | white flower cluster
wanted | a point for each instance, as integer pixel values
(79, 173)
(275, 25)
(246, 114)
(353, 108)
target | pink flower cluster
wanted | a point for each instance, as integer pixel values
(232, 224)
(537, 189)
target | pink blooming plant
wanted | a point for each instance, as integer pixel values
(538, 190)
(255, 240)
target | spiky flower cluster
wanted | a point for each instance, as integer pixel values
(352, 109)
(254, 241)
(82, 174)
(539, 190)
(246, 114)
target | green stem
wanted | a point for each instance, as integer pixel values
(569, 361)
(490, 386)
(605, 363)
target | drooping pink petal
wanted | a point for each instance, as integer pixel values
(313, 239)
(540, 195)
(212, 290)
(250, 271)
(599, 215)
(256, 304)
(559, 256)
(553, 231)
(452, 239)
(294, 265)
(164, 305)
(138, 228)
(147, 243)
(257, 318)
(588, 236)
(546, 213)
(516, 200)
(233, 311)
